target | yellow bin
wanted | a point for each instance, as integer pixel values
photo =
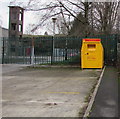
(92, 53)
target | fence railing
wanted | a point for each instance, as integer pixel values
(52, 50)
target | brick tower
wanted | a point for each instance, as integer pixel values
(16, 15)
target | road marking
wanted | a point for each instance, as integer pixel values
(8, 77)
(65, 92)
(3, 100)
(31, 101)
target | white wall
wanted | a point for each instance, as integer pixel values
(0, 31)
(0, 45)
(4, 32)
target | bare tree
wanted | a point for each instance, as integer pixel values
(57, 8)
(81, 24)
(117, 25)
(105, 15)
(87, 17)
(99, 18)
(29, 29)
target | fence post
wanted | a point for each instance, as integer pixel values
(66, 49)
(118, 55)
(32, 52)
(3, 51)
(52, 52)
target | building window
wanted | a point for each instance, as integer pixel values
(20, 28)
(20, 17)
(13, 26)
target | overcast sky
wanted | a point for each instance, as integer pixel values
(29, 17)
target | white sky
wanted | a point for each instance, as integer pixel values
(29, 17)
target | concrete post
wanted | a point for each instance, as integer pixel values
(53, 45)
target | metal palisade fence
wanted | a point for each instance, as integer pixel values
(52, 50)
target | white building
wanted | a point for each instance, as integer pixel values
(3, 32)
(0, 31)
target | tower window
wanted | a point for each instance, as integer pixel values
(20, 17)
(13, 26)
(20, 28)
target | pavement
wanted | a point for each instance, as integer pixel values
(46, 92)
(106, 101)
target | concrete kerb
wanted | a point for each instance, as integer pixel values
(54, 66)
(90, 104)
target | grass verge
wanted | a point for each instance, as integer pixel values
(87, 99)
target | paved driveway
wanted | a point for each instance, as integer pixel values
(46, 92)
(106, 101)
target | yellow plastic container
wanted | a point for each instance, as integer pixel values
(92, 53)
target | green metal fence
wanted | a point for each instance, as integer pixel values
(53, 50)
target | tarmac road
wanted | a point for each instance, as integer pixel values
(106, 101)
(46, 92)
